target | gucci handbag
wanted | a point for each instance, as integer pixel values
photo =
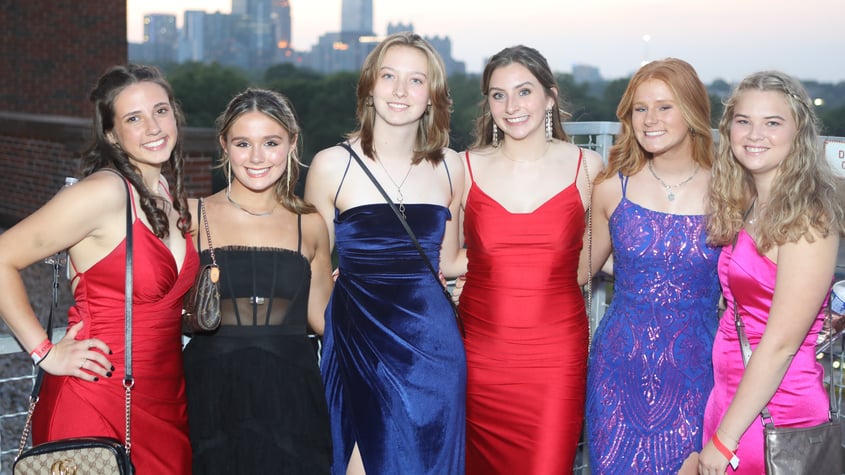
(83, 455)
(815, 450)
(201, 309)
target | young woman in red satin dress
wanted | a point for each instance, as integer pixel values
(136, 129)
(523, 310)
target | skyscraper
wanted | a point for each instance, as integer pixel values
(357, 17)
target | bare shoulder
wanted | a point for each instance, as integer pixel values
(329, 159)
(101, 191)
(314, 225)
(453, 160)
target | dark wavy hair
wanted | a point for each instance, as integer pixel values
(102, 153)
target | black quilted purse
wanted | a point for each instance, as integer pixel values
(83, 455)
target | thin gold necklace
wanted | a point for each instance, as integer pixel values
(400, 197)
(236, 205)
(671, 194)
(505, 154)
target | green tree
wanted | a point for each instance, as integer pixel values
(204, 90)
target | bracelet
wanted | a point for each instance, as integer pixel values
(733, 460)
(40, 351)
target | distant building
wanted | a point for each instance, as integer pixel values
(584, 73)
(357, 17)
(258, 34)
(160, 37)
(192, 37)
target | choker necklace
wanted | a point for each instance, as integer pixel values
(670, 194)
(400, 197)
(236, 205)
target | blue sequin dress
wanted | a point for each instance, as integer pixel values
(650, 370)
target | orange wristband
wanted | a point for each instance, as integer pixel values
(41, 351)
(733, 460)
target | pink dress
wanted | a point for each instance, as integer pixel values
(801, 400)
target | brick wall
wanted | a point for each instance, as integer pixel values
(51, 54)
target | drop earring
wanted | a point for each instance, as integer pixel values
(549, 129)
(495, 135)
(287, 171)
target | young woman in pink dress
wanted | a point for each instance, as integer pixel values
(779, 211)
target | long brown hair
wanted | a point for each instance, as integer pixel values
(537, 65)
(102, 153)
(433, 130)
(279, 108)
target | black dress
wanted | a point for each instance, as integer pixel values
(255, 398)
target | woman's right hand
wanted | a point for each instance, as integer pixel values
(84, 359)
(458, 288)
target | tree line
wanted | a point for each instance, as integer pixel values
(326, 103)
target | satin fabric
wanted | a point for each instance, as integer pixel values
(526, 334)
(71, 407)
(650, 369)
(393, 362)
(801, 399)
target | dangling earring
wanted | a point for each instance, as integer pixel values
(287, 171)
(228, 174)
(495, 135)
(368, 101)
(549, 124)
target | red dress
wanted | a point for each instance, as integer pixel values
(526, 334)
(71, 407)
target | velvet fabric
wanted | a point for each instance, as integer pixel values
(393, 361)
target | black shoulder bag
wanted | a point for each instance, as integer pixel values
(104, 455)
(407, 230)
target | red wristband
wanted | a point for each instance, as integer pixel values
(41, 351)
(728, 453)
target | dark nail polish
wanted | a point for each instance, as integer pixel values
(110, 352)
(96, 379)
(108, 375)
(112, 368)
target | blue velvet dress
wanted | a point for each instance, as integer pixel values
(650, 370)
(393, 360)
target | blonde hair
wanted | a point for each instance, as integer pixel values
(433, 129)
(627, 155)
(806, 196)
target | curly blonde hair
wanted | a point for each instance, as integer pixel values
(627, 155)
(806, 195)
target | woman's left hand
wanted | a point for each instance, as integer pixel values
(711, 461)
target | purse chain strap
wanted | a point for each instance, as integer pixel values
(129, 380)
(207, 232)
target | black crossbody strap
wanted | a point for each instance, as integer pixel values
(404, 224)
(394, 209)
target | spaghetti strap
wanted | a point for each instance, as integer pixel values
(624, 180)
(342, 179)
(449, 177)
(199, 222)
(578, 168)
(299, 231)
(469, 167)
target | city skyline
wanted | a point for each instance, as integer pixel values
(722, 39)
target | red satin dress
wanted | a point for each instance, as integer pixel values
(526, 334)
(72, 407)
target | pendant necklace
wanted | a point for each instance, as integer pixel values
(400, 198)
(236, 205)
(671, 194)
